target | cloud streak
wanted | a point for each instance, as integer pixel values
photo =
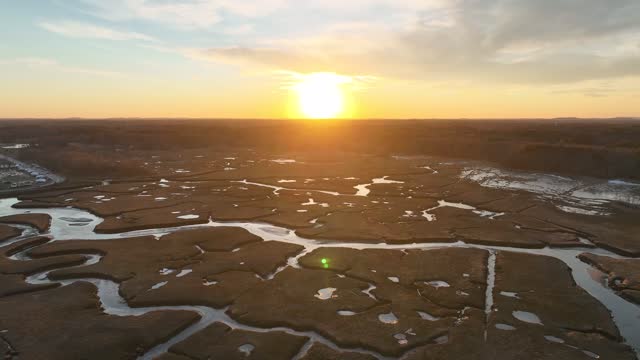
(47, 63)
(82, 30)
(184, 15)
(494, 41)
(521, 41)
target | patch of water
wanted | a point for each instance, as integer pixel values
(369, 290)
(505, 327)
(326, 294)
(388, 318)
(510, 294)
(491, 283)
(159, 285)
(443, 203)
(184, 272)
(278, 189)
(427, 316)
(402, 339)
(591, 354)
(165, 272)
(434, 172)
(575, 210)
(284, 161)
(554, 339)
(438, 284)
(364, 191)
(622, 183)
(346, 313)
(586, 196)
(246, 349)
(527, 317)
(15, 146)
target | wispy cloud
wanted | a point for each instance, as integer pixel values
(52, 64)
(84, 30)
(291, 79)
(239, 30)
(187, 14)
(522, 41)
(492, 41)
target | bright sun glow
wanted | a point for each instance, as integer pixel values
(321, 95)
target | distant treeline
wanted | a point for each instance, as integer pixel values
(601, 148)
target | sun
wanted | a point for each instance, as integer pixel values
(321, 95)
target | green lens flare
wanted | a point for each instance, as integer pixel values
(324, 261)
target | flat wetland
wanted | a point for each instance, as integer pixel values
(198, 239)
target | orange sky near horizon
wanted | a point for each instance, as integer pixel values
(386, 99)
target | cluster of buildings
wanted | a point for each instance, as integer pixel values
(18, 170)
(40, 178)
(18, 184)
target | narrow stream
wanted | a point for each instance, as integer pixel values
(491, 283)
(71, 223)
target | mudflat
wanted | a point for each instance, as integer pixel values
(336, 250)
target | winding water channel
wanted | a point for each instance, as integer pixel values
(71, 223)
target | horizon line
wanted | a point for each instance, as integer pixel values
(316, 120)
